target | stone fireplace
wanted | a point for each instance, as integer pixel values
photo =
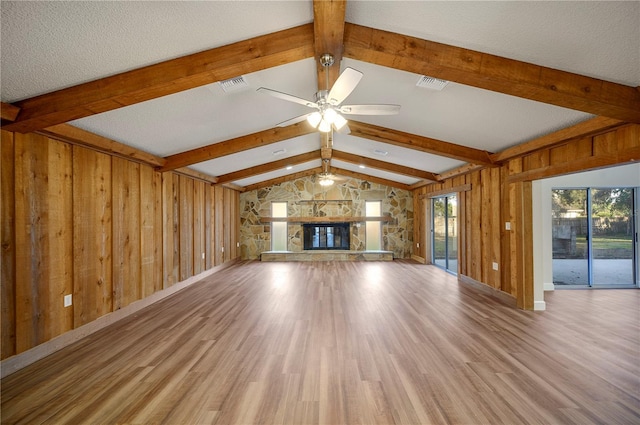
(320, 236)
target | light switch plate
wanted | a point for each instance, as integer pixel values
(68, 300)
(507, 225)
(495, 266)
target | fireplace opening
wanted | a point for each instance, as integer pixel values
(326, 236)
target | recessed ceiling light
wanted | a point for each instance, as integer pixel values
(431, 83)
(361, 166)
(380, 152)
(289, 167)
(278, 152)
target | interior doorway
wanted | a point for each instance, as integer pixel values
(444, 232)
(594, 238)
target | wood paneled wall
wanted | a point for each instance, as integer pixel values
(503, 194)
(104, 229)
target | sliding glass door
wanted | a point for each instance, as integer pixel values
(444, 236)
(594, 237)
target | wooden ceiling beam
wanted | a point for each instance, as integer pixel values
(373, 179)
(421, 143)
(490, 72)
(583, 129)
(164, 78)
(384, 166)
(328, 34)
(77, 136)
(8, 112)
(239, 144)
(288, 177)
(268, 167)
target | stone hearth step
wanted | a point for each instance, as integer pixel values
(328, 255)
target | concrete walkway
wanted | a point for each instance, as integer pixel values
(605, 272)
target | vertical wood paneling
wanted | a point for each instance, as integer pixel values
(170, 229)
(60, 203)
(235, 217)
(150, 231)
(208, 225)
(486, 224)
(476, 229)
(462, 235)
(219, 225)
(104, 229)
(8, 246)
(198, 227)
(126, 232)
(92, 245)
(515, 200)
(44, 229)
(185, 193)
(227, 225)
(496, 227)
(468, 226)
(417, 225)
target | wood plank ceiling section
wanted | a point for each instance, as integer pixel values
(612, 103)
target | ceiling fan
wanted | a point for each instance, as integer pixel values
(328, 103)
(325, 178)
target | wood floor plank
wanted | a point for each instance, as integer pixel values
(343, 342)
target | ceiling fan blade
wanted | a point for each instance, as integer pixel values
(370, 109)
(294, 120)
(344, 85)
(288, 97)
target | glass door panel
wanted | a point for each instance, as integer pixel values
(613, 236)
(452, 233)
(570, 237)
(439, 233)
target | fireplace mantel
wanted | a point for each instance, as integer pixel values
(385, 218)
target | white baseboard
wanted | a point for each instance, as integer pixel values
(19, 361)
(549, 286)
(539, 306)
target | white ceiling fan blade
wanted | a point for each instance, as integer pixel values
(344, 85)
(294, 120)
(370, 109)
(288, 97)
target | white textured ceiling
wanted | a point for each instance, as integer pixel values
(49, 45)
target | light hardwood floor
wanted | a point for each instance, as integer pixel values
(344, 342)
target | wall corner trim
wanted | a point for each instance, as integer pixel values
(24, 359)
(539, 306)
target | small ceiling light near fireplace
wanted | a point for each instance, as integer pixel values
(325, 181)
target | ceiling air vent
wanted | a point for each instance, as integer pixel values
(431, 83)
(380, 152)
(234, 84)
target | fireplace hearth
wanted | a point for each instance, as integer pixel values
(318, 236)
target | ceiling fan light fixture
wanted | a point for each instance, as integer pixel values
(339, 121)
(314, 119)
(325, 181)
(324, 126)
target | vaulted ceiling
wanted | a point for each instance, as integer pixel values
(143, 79)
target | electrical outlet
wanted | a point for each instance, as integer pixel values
(68, 300)
(203, 257)
(222, 249)
(418, 245)
(507, 225)
(495, 266)
(238, 244)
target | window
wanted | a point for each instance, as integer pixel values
(279, 229)
(373, 229)
(594, 237)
